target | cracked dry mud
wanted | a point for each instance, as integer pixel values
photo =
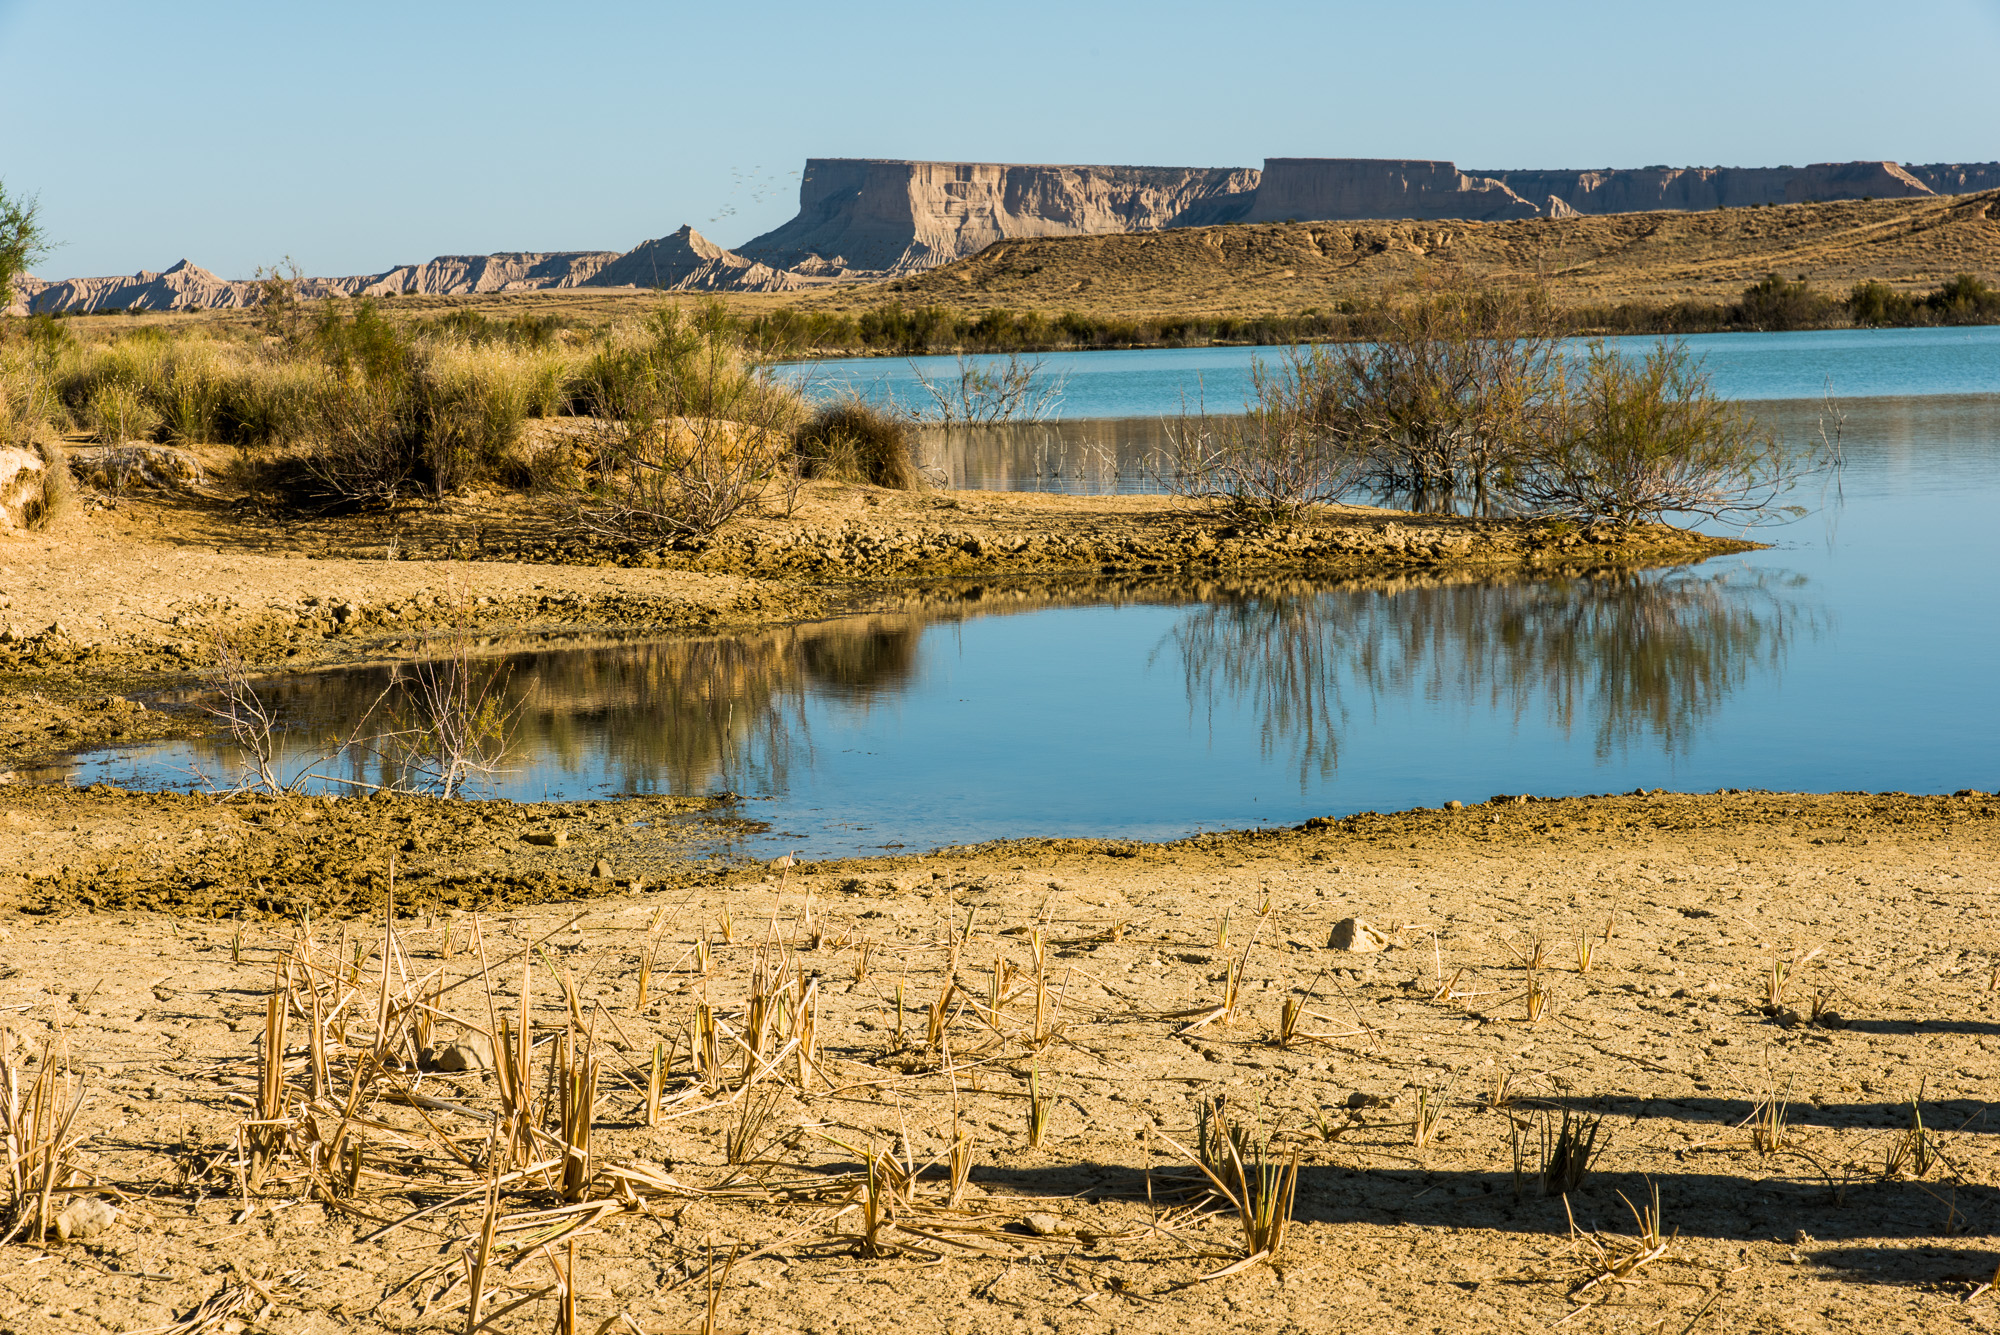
(1885, 905)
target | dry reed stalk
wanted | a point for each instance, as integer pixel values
(742, 1138)
(1040, 1106)
(1288, 1020)
(266, 1134)
(707, 1043)
(480, 1258)
(36, 1130)
(1222, 930)
(656, 1084)
(1778, 982)
(1616, 1263)
(961, 1168)
(805, 1034)
(861, 963)
(576, 1113)
(1585, 954)
(1768, 1124)
(1261, 1188)
(649, 950)
(1429, 1116)
(727, 924)
(1568, 1152)
(1536, 997)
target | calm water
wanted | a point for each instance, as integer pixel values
(1859, 653)
(1854, 363)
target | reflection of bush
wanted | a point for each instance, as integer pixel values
(685, 715)
(1635, 654)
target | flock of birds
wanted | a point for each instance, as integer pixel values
(757, 185)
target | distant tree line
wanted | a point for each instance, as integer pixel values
(1772, 303)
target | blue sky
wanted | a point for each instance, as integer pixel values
(360, 135)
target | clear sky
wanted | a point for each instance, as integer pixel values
(358, 135)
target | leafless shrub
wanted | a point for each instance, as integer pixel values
(1274, 461)
(688, 435)
(1009, 389)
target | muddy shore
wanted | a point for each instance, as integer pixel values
(123, 944)
(1781, 1006)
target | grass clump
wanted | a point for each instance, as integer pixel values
(851, 440)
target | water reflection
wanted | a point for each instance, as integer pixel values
(1636, 656)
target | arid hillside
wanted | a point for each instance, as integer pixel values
(1666, 256)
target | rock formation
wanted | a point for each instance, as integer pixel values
(1957, 178)
(1311, 189)
(687, 261)
(1643, 189)
(880, 215)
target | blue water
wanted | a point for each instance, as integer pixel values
(1858, 653)
(1154, 382)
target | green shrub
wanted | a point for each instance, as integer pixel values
(1873, 303)
(1634, 439)
(1774, 304)
(1964, 300)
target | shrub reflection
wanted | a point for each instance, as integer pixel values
(1631, 654)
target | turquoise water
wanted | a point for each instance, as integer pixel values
(1858, 653)
(1858, 363)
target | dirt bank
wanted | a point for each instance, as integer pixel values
(1875, 914)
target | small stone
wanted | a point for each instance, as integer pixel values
(1354, 934)
(1046, 1225)
(547, 838)
(602, 870)
(1359, 1100)
(1832, 1020)
(472, 1053)
(1454, 805)
(84, 1217)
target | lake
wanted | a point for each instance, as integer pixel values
(1857, 653)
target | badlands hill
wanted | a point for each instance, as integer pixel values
(683, 262)
(1656, 257)
(871, 219)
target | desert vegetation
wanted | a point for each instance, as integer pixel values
(1773, 303)
(1470, 401)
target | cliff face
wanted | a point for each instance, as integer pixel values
(1312, 189)
(873, 215)
(1645, 189)
(1957, 178)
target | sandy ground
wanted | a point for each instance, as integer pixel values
(1833, 957)
(1883, 907)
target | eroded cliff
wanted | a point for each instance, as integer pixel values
(877, 215)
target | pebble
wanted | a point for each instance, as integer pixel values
(1354, 934)
(473, 1053)
(546, 838)
(602, 869)
(84, 1217)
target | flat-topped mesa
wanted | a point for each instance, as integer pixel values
(874, 215)
(1325, 189)
(1643, 189)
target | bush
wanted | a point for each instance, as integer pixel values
(1964, 300)
(1276, 460)
(689, 434)
(1774, 304)
(1645, 439)
(1440, 403)
(851, 440)
(1873, 303)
